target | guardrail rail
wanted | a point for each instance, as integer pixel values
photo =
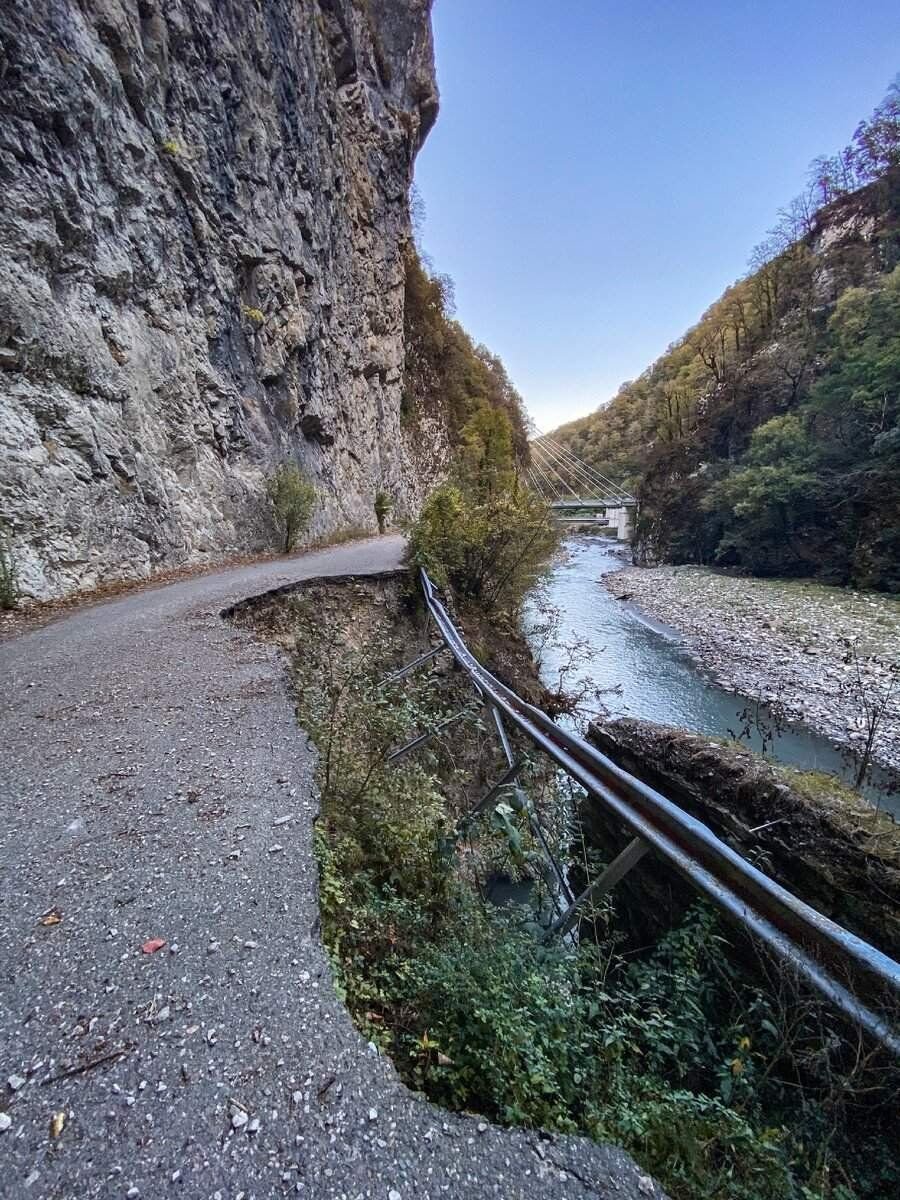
(842, 967)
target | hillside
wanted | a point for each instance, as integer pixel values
(768, 437)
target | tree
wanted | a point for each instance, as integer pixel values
(383, 505)
(490, 548)
(870, 687)
(292, 497)
(488, 462)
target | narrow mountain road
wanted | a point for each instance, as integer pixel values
(154, 785)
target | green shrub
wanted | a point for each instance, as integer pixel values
(383, 506)
(256, 315)
(292, 497)
(489, 549)
(9, 583)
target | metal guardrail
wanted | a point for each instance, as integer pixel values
(838, 964)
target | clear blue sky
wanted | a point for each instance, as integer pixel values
(602, 169)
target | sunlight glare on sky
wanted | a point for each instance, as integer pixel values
(600, 171)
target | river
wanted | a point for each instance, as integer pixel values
(644, 670)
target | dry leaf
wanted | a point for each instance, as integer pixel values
(153, 945)
(52, 916)
(57, 1122)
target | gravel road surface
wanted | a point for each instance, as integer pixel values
(154, 786)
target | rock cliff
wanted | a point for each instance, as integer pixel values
(202, 230)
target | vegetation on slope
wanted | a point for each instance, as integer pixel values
(480, 533)
(724, 1090)
(447, 375)
(768, 437)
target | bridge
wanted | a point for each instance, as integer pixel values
(577, 492)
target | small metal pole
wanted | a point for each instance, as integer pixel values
(501, 732)
(410, 667)
(619, 867)
(427, 736)
(501, 785)
(534, 823)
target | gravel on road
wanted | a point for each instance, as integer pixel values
(168, 1021)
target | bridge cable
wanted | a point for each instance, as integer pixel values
(532, 483)
(587, 467)
(585, 474)
(582, 470)
(589, 470)
(540, 453)
(549, 488)
(580, 476)
(553, 490)
(535, 484)
(550, 466)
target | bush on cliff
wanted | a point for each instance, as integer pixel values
(383, 505)
(292, 497)
(9, 584)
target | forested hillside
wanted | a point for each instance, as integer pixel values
(768, 437)
(450, 379)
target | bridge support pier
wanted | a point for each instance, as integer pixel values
(620, 520)
(623, 528)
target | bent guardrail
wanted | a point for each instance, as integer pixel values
(838, 964)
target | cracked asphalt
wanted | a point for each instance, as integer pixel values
(154, 785)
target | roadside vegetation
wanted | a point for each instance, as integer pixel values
(383, 505)
(719, 1086)
(9, 582)
(722, 1085)
(292, 497)
(768, 437)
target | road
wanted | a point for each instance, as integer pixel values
(155, 785)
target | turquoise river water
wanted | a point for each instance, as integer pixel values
(644, 670)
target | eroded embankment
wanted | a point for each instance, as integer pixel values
(806, 830)
(673, 1052)
(819, 655)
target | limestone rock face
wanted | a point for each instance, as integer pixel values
(203, 212)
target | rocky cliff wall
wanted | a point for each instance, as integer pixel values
(203, 214)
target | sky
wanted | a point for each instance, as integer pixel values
(601, 169)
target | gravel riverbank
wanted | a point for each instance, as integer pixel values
(783, 641)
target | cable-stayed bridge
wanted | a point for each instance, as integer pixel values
(577, 492)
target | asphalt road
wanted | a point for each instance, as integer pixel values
(154, 785)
